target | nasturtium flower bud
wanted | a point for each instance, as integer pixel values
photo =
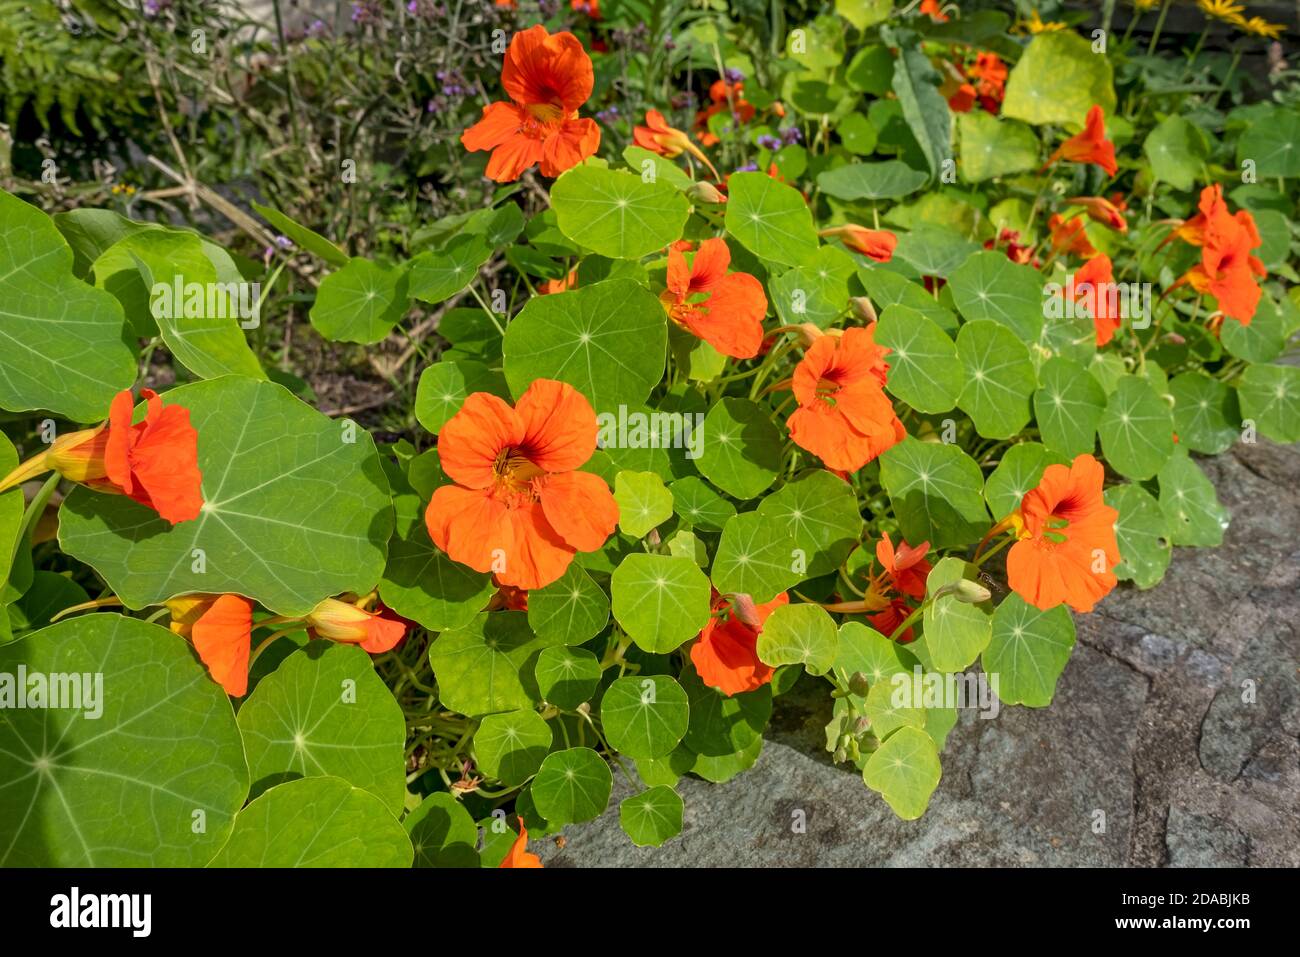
(351, 624)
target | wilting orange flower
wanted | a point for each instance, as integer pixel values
(726, 654)
(730, 316)
(1069, 236)
(518, 855)
(547, 78)
(658, 137)
(932, 8)
(1227, 269)
(154, 462)
(877, 244)
(221, 627)
(519, 507)
(718, 93)
(590, 7)
(1066, 549)
(1092, 286)
(844, 416)
(340, 621)
(1101, 210)
(1090, 145)
(907, 568)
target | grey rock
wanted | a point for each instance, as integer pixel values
(1195, 840)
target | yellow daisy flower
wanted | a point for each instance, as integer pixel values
(1035, 24)
(1224, 10)
(1258, 26)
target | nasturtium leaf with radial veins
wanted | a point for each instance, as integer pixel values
(280, 482)
(572, 786)
(999, 378)
(61, 340)
(819, 514)
(891, 705)
(988, 285)
(325, 711)
(769, 218)
(1068, 406)
(643, 502)
(651, 817)
(572, 609)
(1206, 415)
(905, 770)
(756, 557)
(1137, 429)
(661, 601)
(481, 667)
(125, 787)
(1028, 651)
(644, 716)
(1270, 397)
(1142, 533)
(439, 274)
(316, 822)
(936, 490)
(1190, 504)
(1057, 80)
(700, 505)
(361, 302)
(1019, 471)
(801, 634)
(742, 448)
(510, 746)
(924, 370)
(566, 677)
(616, 213)
(608, 341)
(442, 832)
(722, 725)
(444, 386)
(955, 631)
(889, 179)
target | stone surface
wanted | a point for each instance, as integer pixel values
(1174, 738)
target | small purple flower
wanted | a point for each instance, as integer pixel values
(317, 28)
(747, 168)
(151, 8)
(733, 75)
(772, 143)
(413, 7)
(284, 242)
(791, 134)
(608, 115)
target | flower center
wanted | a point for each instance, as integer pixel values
(515, 473)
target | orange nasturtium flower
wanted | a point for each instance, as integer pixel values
(718, 92)
(221, 627)
(1101, 210)
(518, 855)
(520, 507)
(1069, 236)
(962, 99)
(730, 316)
(547, 78)
(903, 573)
(726, 654)
(877, 244)
(990, 76)
(154, 462)
(351, 624)
(934, 11)
(590, 7)
(1089, 145)
(844, 416)
(1092, 286)
(906, 567)
(658, 137)
(1228, 268)
(1066, 549)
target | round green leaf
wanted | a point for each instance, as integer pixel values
(48, 595)
(991, 147)
(742, 448)
(1266, 336)
(866, 650)
(660, 600)
(570, 609)
(937, 493)
(799, 634)
(885, 715)
(420, 581)
(819, 514)
(905, 770)
(934, 250)
(770, 219)
(140, 765)
(1271, 144)
(566, 677)
(644, 716)
(720, 725)
(608, 341)
(325, 711)
(1137, 429)
(435, 276)
(887, 288)
(955, 631)
(444, 386)
(1028, 651)
(61, 341)
(924, 370)
(1057, 80)
(1142, 533)
(643, 502)
(442, 832)
(1190, 504)
(316, 822)
(816, 292)
(700, 505)
(511, 746)
(1206, 416)
(572, 786)
(999, 379)
(1068, 407)
(1270, 398)
(756, 557)
(720, 768)
(1177, 150)
(1019, 471)
(990, 286)
(361, 302)
(616, 213)
(280, 482)
(479, 667)
(890, 179)
(651, 817)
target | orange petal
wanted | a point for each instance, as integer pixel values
(573, 142)
(579, 506)
(731, 319)
(165, 463)
(472, 438)
(222, 637)
(558, 425)
(511, 158)
(500, 122)
(471, 526)
(540, 555)
(710, 266)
